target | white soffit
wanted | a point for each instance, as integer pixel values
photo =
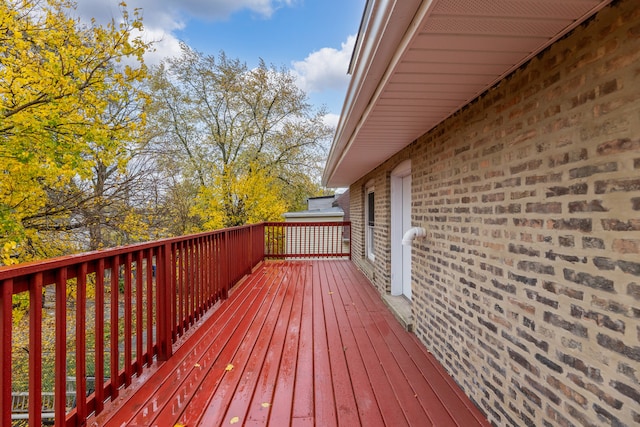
(417, 63)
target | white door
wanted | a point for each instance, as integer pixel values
(400, 223)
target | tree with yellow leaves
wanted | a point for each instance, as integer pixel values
(70, 106)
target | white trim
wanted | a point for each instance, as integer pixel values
(398, 251)
(396, 235)
(369, 237)
(403, 169)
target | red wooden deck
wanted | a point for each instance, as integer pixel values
(297, 343)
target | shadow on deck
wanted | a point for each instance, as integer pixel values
(297, 343)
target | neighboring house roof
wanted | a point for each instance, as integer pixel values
(416, 63)
(332, 196)
(318, 213)
(321, 202)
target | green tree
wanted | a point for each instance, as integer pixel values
(247, 139)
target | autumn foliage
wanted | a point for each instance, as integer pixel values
(60, 83)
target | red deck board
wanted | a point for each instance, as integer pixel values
(452, 398)
(187, 396)
(252, 348)
(410, 391)
(244, 397)
(264, 389)
(283, 393)
(346, 408)
(392, 411)
(311, 343)
(303, 402)
(324, 401)
(224, 355)
(154, 393)
(368, 409)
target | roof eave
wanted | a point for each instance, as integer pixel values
(369, 62)
(386, 34)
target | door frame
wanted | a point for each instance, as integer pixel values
(398, 204)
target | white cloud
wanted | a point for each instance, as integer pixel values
(164, 45)
(331, 119)
(155, 14)
(325, 68)
(221, 9)
(170, 15)
(322, 74)
(162, 17)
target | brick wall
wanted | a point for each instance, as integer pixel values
(379, 271)
(527, 288)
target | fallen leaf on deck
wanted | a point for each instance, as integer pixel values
(197, 365)
(234, 420)
(179, 425)
(229, 367)
(266, 404)
(330, 293)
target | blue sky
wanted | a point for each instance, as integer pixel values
(312, 38)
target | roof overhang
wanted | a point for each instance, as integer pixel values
(416, 63)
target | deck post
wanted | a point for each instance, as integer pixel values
(114, 357)
(350, 242)
(35, 350)
(225, 262)
(81, 340)
(250, 244)
(163, 316)
(60, 380)
(5, 355)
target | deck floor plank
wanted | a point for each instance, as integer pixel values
(419, 390)
(390, 407)
(234, 393)
(324, 400)
(223, 356)
(343, 389)
(154, 391)
(311, 344)
(285, 384)
(450, 396)
(303, 402)
(259, 410)
(375, 326)
(365, 398)
(245, 397)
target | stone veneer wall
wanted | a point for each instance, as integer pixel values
(527, 288)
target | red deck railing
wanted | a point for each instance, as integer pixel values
(307, 239)
(130, 306)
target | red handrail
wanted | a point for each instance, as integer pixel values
(307, 239)
(146, 297)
